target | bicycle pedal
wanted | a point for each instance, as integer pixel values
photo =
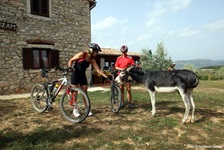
(50, 108)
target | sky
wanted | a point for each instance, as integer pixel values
(189, 29)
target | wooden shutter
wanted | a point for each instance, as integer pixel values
(27, 58)
(54, 58)
(45, 8)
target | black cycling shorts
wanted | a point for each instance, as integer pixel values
(78, 78)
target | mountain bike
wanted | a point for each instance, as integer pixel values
(115, 96)
(43, 95)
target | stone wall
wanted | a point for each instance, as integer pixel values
(68, 27)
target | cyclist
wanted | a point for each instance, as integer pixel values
(82, 62)
(172, 66)
(122, 63)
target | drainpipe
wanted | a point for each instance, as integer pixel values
(93, 4)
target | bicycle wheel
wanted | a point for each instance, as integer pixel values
(115, 99)
(38, 98)
(80, 104)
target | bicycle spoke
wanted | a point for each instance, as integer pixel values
(38, 98)
(75, 108)
(115, 99)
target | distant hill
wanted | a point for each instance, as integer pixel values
(199, 63)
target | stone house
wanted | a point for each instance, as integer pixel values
(40, 33)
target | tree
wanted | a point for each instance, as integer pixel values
(157, 61)
(220, 73)
(190, 67)
(146, 59)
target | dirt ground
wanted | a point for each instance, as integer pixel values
(22, 116)
(18, 115)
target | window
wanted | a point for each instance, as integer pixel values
(36, 58)
(40, 7)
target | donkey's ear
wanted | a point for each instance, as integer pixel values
(129, 68)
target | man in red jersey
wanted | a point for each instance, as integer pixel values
(122, 63)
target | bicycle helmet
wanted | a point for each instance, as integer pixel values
(94, 48)
(173, 65)
(124, 49)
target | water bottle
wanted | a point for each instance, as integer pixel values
(50, 87)
(55, 88)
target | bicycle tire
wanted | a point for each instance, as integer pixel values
(38, 98)
(115, 99)
(67, 108)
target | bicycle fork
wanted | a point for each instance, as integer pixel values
(50, 98)
(72, 96)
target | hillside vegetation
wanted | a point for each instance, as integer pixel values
(199, 63)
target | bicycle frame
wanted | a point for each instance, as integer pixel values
(63, 81)
(74, 102)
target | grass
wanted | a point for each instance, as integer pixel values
(23, 128)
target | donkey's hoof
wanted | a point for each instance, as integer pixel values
(153, 113)
(183, 121)
(192, 121)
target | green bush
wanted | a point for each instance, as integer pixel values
(210, 77)
(203, 76)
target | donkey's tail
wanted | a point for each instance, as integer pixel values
(195, 81)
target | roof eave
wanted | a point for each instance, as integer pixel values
(92, 4)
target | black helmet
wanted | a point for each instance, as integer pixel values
(95, 47)
(124, 49)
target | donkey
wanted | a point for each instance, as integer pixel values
(165, 81)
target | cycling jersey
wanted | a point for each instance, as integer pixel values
(78, 76)
(124, 62)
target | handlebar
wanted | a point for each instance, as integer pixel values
(44, 71)
(68, 69)
(114, 72)
(65, 70)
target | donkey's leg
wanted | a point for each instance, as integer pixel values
(190, 97)
(186, 103)
(153, 101)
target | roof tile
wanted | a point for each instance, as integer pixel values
(110, 51)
